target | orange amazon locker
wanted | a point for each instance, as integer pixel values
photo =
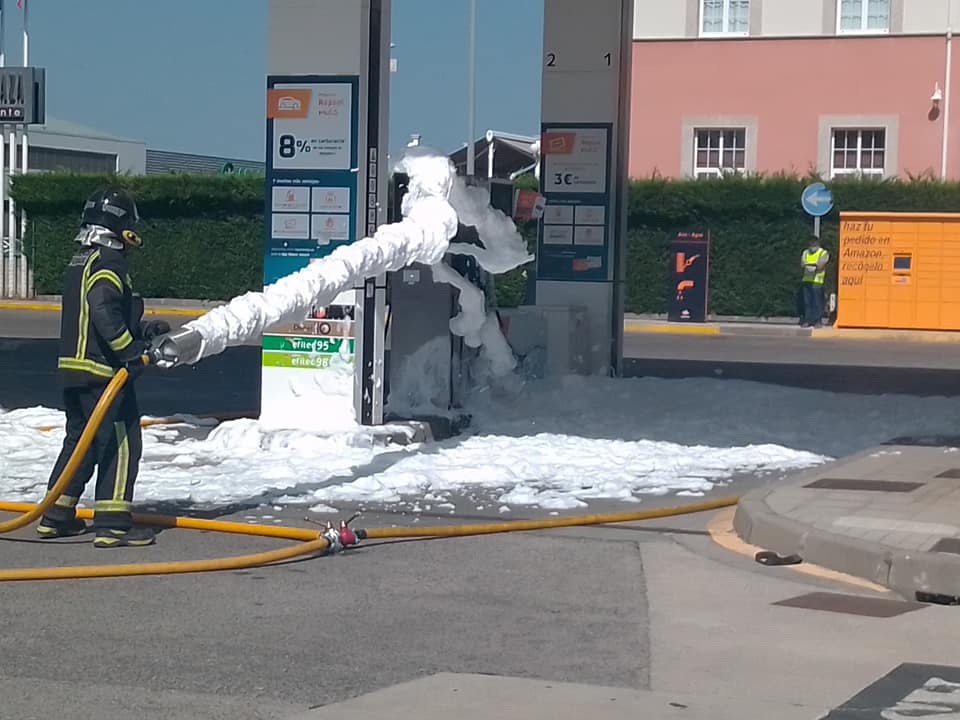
(899, 270)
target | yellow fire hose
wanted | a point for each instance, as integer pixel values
(312, 541)
(86, 437)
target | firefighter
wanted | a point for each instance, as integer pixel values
(101, 331)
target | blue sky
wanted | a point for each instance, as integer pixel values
(202, 88)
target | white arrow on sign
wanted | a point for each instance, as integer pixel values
(816, 198)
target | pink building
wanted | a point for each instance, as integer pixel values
(837, 86)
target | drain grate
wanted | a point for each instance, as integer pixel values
(952, 473)
(851, 604)
(909, 691)
(870, 485)
(947, 545)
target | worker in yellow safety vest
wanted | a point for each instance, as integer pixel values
(814, 263)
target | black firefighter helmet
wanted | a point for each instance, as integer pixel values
(116, 210)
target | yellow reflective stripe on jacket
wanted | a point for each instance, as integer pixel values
(121, 342)
(108, 275)
(87, 366)
(84, 320)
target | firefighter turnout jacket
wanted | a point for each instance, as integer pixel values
(100, 321)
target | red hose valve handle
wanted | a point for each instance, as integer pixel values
(347, 536)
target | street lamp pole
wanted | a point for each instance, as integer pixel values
(946, 92)
(472, 92)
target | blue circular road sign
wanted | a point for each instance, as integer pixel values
(817, 200)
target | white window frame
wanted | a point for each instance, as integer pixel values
(859, 170)
(864, 14)
(726, 21)
(706, 171)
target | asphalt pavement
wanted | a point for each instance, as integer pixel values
(653, 620)
(657, 620)
(834, 365)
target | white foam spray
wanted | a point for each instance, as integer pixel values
(436, 200)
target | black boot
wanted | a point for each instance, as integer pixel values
(132, 537)
(57, 528)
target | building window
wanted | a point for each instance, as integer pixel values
(859, 152)
(718, 151)
(863, 16)
(724, 17)
(80, 161)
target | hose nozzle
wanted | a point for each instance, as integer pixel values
(181, 347)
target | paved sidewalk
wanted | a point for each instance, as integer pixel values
(780, 327)
(478, 697)
(890, 515)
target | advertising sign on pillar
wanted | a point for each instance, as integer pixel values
(575, 181)
(689, 277)
(311, 209)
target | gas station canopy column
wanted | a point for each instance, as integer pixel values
(327, 178)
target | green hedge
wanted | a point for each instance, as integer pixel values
(204, 234)
(758, 231)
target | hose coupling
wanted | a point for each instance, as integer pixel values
(340, 538)
(332, 536)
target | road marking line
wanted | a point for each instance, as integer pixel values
(676, 329)
(722, 533)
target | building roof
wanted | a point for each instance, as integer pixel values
(165, 161)
(512, 153)
(525, 140)
(56, 126)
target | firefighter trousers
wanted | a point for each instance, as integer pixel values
(115, 452)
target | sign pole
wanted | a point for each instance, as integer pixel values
(816, 226)
(472, 91)
(24, 165)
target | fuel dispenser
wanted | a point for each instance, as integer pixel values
(425, 365)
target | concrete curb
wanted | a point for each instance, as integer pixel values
(906, 573)
(714, 319)
(914, 336)
(773, 329)
(740, 329)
